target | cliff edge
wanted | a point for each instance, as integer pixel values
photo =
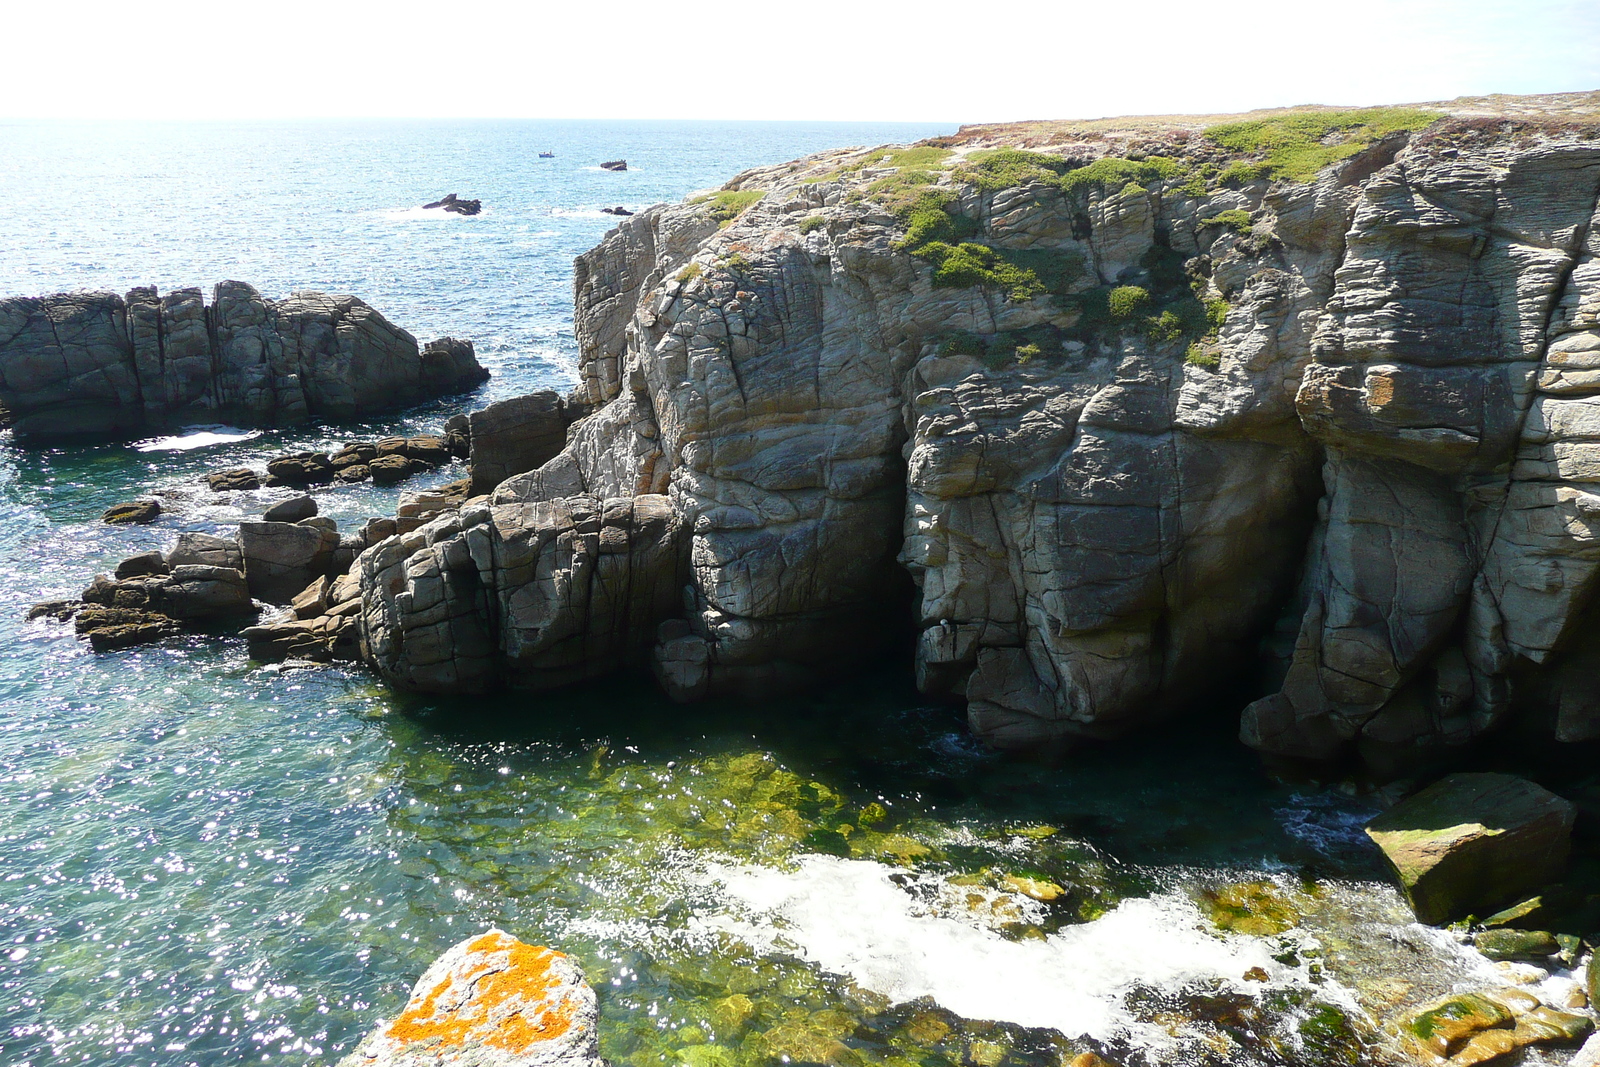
(1135, 404)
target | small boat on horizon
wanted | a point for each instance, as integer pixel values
(547, 155)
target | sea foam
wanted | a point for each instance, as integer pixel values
(850, 917)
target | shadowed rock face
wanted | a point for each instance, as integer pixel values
(99, 364)
(1371, 476)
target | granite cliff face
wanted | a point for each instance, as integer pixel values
(1312, 396)
(100, 364)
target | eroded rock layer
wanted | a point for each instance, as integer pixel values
(102, 364)
(1137, 413)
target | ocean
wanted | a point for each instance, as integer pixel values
(206, 860)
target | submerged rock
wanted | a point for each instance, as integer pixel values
(1471, 843)
(491, 1001)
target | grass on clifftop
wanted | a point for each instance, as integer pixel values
(728, 205)
(1298, 146)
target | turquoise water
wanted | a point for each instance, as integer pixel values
(205, 860)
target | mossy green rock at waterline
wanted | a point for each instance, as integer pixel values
(1471, 1028)
(1472, 842)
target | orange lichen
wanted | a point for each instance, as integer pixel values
(522, 975)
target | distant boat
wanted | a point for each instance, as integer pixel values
(614, 164)
(547, 155)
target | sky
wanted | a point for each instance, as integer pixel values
(820, 60)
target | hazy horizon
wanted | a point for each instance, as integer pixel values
(845, 62)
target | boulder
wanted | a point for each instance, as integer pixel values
(393, 468)
(352, 474)
(145, 563)
(137, 513)
(352, 454)
(281, 559)
(1471, 843)
(292, 510)
(490, 1001)
(1466, 1029)
(238, 478)
(196, 591)
(618, 210)
(300, 468)
(536, 595)
(205, 550)
(614, 164)
(513, 436)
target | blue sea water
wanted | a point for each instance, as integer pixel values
(204, 860)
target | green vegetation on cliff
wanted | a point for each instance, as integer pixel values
(728, 204)
(1297, 146)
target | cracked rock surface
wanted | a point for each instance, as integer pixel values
(101, 364)
(1369, 487)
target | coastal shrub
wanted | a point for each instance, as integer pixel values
(1022, 273)
(689, 273)
(812, 222)
(965, 265)
(927, 215)
(963, 343)
(1243, 172)
(737, 264)
(1006, 168)
(1126, 301)
(1120, 173)
(1167, 326)
(1236, 219)
(1200, 356)
(1297, 146)
(997, 350)
(729, 204)
(1216, 313)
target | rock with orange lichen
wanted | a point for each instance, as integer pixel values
(491, 1001)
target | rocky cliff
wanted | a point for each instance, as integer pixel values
(1136, 406)
(100, 364)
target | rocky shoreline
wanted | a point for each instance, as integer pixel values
(78, 365)
(1088, 421)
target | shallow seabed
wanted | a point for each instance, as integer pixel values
(209, 861)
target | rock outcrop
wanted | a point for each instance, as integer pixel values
(491, 1001)
(100, 364)
(513, 436)
(1137, 412)
(1470, 843)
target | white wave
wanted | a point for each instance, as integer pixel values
(581, 213)
(198, 438)
(850, 917)
(421, 214)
